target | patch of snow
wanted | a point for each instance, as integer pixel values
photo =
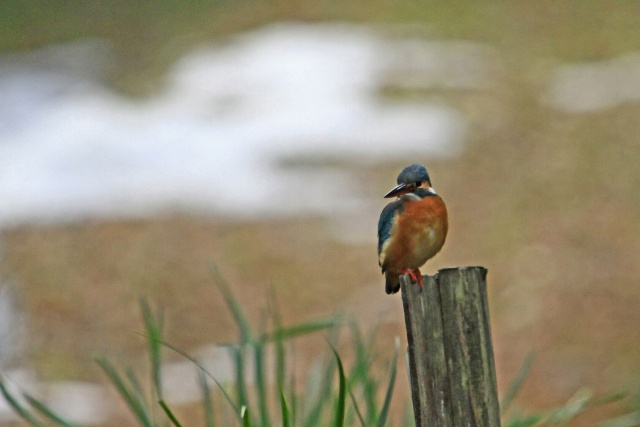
(596, 86)
(217, 137)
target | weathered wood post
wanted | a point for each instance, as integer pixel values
(451, 367)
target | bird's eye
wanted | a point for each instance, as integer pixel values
(418, 183)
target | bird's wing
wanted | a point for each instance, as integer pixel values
(385, 223)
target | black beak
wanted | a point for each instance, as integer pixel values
(398, 191)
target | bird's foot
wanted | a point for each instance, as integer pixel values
(415, 275)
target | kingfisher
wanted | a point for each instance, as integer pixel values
(411, 229)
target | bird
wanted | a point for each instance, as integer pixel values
(412, 229)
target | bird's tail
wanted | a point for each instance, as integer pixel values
(392, 282)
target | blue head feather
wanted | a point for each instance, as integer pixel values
(414, 173)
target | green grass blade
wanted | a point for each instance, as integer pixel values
(285, 333)
(242, 398)
(355, 406)
(131, 399)
(320, 396)
(169, 414)
(286, 415)
(153, 326)
(137, 389)
(227, 396)
(516, 383)
(207, 403)
(323, 395)
(607, 398)
(340, 404)
(236, 310)
(246, 417)
(21, 410)
(261, 383)
(528, 421)
(582, 401)
(382, 420)
(293, 396)
(628, 420)
(281, 362)
(279, 337)
(360, 374)
(575, 406)
(349, 415)
(47, 412)
(278, 340)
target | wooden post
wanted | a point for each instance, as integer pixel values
(451, 367)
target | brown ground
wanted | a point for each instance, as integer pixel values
(548, 207)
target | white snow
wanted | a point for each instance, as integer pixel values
(596, 86)
(215, 139)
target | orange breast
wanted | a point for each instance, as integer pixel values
(419, 233)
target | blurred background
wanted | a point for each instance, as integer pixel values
(140, 141)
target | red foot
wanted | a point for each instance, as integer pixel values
(415, 275)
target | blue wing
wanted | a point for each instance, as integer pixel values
(385, 223)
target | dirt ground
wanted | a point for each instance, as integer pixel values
(547, 207)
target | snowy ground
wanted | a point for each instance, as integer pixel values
(215, 139)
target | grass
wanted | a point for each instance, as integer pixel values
(253, 403)
(354, 401)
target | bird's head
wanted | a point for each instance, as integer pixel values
(410, 179)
